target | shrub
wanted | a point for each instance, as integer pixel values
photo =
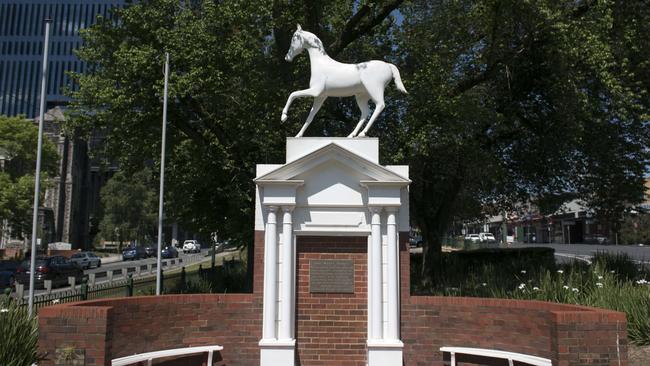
(612, 281)
(19, 340)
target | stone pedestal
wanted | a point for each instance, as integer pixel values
(331, 207)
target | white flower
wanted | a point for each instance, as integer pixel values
(641, 282)
(612, 271)
(523, 271)
(575, 290)
(600, 277)
(560, 271)
(599, 285)
(522, 286)
(484, 284)
(565, 287)
(535, 288)
(4, 310)
(56, 301)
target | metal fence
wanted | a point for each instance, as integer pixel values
(134, 282)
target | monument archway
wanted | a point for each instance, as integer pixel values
(331, 218)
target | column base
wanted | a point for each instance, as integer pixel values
(274, 352)
(384, 352)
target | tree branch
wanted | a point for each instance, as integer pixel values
(361, 23)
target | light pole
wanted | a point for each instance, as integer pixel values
(37, 178)
(162, 179)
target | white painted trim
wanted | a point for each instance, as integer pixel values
(294, 183)
(149, 356)
(277, 343)
(331, 151)
(505, 355)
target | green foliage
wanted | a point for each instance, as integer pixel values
(18, 141)
(635, 229)
(227, 278)
(129, 204)
(517, 100)
(19, 341)
(508, 100)
(228, 84)
(613, 282)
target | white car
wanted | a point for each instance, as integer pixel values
(86, 260)
(487, 238)
(474, 238)
(191, 246)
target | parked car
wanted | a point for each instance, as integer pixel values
(134, 253)
(191, 246)
(151, 250)
(474, 238)
(8, 273)
(56, 269)
(86, 260)
(415, 241)
(487, 238)
(169, 252)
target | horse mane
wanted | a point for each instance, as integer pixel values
(314, 41)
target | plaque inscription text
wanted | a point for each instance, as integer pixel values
(331, 276)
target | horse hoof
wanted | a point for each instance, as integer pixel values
(361, 135)
(351, 135)
(283, 118)
(298, 135)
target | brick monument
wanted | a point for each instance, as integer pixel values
(331, 219)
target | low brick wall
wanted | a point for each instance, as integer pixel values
(108, 329)
(566, 334)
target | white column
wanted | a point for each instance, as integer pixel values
(288, 277)
(376, 323)
(270, 274)
(393, 275)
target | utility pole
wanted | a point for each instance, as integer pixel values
(37, 178)
(162, 179)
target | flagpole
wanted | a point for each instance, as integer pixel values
(37, 178)
(162, 179)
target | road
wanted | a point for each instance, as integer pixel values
(121, 268)
(586, 251)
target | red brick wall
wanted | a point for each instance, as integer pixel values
(566, 334)
(109, 329)
(332, 328)
(106, 329)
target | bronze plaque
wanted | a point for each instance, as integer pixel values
(331, 276)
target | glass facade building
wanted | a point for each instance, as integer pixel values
(21, 49)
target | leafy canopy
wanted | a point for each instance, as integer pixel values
(18, 141)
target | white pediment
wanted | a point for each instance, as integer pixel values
(332, 153)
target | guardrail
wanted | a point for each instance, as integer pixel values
(128, 281)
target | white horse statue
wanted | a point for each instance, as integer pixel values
(330, 78)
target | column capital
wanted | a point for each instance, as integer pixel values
(375, 209)
(272, 208)
(288, 208)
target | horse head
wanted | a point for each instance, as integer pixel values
(302, 39)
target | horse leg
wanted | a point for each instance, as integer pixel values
(362, 102)
(311, 92)
(318, 102)
(377, 96)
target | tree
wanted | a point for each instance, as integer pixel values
(523, 101)
(18, 141)
(129, 205)
(228, 84)
(510, 100)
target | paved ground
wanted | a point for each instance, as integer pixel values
(639, 355)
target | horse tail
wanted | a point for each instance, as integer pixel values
(398, 79)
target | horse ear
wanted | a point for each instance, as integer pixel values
(299, 27)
